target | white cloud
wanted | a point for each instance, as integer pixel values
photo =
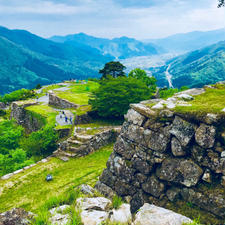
(107, 18)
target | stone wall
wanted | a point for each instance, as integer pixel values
(61, 103)
(83, 119)
(2, 105)
(24, 117)
(163, 158)
(99, 140)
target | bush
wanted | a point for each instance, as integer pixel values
(143, 76)
(166, 93)
(22, 94)
(38, 86)
(2, 112)
(15, 160)
(10, 135)
(114, 95)
(40, 143)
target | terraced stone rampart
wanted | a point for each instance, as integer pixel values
(171, 160)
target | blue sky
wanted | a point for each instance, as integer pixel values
(141, 19)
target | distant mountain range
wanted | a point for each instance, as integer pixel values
(189, 41)
(27, 59)
(194, 69)
(120, 48)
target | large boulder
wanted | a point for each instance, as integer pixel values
(99, 203)
(121, 215)
(205, 135)
(93, 217)
(58, 215)
(182, 130)
(86, 189)
(16, 216)
(180, 171)
(153, 215)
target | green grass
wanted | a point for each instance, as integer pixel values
(101, 123)
(195, 222)
(45, 111)
(212, 101)
(30, 191)
(117, 202)
(82, 110)
(78, 93)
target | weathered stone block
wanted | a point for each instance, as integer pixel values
(177, 148)
(205, 135)
(153, 186)
(134, 117)
(182, 130)
(157, 141)
(180, 171)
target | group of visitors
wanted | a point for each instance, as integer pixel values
(67, 119)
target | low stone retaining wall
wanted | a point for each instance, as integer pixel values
(63, 132)
(98, 141)
(61, 103)
(164, 158)
(83, 119)
(9, 175)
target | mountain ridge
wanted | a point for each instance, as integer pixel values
(183, 42)
(120, 48)
(31, 60)
(196, 68)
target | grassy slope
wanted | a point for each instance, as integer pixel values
(44, 111)
(30, 190)
(195, 69)
(212, 101)
(78, 93)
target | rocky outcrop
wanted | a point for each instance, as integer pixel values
(162, 156)
(25, 117)
(96, 211)
(153, 215)
(61, 103)
(16, 216)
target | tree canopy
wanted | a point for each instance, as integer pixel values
(221, 3)
(114, 95)
(142, 75)
(114, 69)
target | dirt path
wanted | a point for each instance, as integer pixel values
(65, 118)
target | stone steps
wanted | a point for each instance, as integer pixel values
(75, 142)
(83, 138)
(74, 149)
